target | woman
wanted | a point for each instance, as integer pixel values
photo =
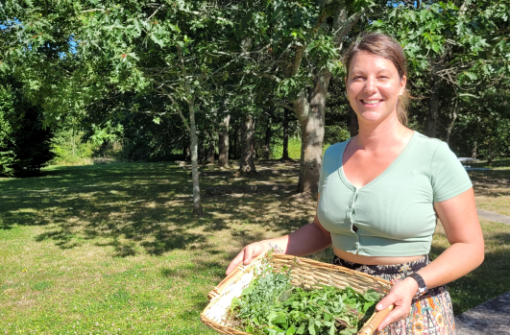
(380, 194)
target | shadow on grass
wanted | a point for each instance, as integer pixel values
(134, 205)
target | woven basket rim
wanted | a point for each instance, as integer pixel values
(240, 270)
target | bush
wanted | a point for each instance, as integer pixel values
(70, 149)
(24, 143)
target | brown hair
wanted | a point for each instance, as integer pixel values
(386, 47)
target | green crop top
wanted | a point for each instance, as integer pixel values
(394, 213)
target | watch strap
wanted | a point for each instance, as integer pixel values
(422, 287)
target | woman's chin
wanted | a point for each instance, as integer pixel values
(373, 117)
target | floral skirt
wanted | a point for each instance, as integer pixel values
(430, 314)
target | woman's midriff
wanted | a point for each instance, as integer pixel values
(373, 260)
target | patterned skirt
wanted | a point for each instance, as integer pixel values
(430, 314)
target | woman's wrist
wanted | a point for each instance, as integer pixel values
(412, 285)
(273, 246)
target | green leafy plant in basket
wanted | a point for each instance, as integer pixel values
(272, 305)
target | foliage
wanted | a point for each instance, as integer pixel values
(24, 144)
(272, 305)
(70, 148)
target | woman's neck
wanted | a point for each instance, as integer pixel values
(388, 133)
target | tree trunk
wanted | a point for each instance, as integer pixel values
(435, 84)
(449, 129)
(223, 143)
(186, 152)
(235, 143)
(353, 124)
(286, 115)
(210, 152)
(311, 116)
(489, 155)
(201, 153)
(247, 163)
(267, 142)
(474, 150)
(311, 113)
(197, 206)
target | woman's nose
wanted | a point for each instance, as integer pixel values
(369, 86)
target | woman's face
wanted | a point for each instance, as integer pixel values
(373, 87)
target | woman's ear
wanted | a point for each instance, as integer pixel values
(403, 83)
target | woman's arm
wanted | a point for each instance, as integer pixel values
(465, 253)
(304, 241)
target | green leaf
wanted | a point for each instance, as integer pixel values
(291, 331)
(372, 295)
(311, 326)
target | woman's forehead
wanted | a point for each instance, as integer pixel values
(368, 62)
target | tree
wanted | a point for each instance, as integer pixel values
(447, 44)
(25, 147)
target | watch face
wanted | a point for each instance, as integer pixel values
(421, 291)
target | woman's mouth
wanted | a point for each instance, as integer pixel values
(369, 103)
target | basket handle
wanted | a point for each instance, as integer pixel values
(375, 320)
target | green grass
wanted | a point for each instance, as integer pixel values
(115, 248)
(491, 278)
(294, 149)
(493, 186)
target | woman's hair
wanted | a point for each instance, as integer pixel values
(386, 47)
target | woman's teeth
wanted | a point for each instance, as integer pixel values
(371, 102)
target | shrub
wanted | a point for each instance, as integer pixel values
(24, 143)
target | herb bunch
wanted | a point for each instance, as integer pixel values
(272, 305)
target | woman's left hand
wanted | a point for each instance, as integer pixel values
(401, 296)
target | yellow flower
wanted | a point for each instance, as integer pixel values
(417, 328)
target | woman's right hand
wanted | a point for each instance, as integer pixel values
(246, 255)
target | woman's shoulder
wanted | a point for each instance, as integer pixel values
(429, 144)
(336, 148)
(437, 152)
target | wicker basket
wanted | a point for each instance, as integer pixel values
(305, 273)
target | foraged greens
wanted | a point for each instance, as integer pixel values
(272, 305)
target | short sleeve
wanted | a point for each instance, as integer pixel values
(449, 178)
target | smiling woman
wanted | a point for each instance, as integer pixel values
(380, 194)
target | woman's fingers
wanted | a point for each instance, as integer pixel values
(246, 255)
(401, 296)
(397, 314)
(235, 262)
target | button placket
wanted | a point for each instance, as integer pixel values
(352, 212)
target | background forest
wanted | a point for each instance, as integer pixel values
(213, 81)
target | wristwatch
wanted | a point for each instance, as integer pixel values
(422, 287)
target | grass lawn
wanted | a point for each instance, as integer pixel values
(115, 249)
(493, 187)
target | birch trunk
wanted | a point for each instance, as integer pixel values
(197, 206)
(223, 143)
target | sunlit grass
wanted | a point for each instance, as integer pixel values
(115, 248)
